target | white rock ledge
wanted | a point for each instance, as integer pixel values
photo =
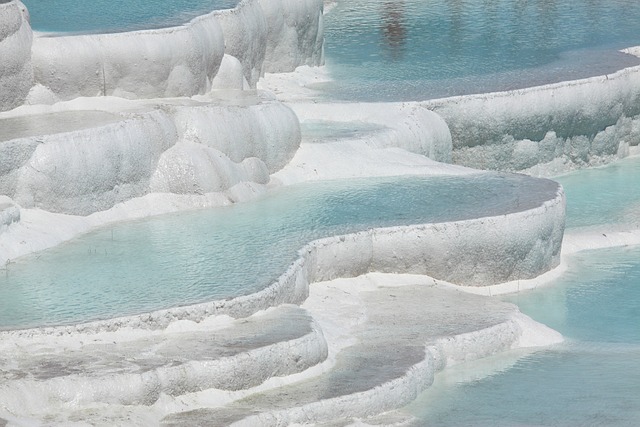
(16, 74)
(387, 343)
(543, 130)
(128, 368)
(548, 129)
(182, 60)
(103, 158)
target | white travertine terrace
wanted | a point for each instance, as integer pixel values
(219, 366)
(409, 126)
(177, 61)
(292, 32)
(16, 75)
(136, 124)
(170, 149)
(547, 129)
(477, 252)
(184, 60)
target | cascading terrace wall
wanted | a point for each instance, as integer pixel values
(169, 62)
(16, 74)
(547, 129)
(177, 61)
(173, 149)
(176, 149)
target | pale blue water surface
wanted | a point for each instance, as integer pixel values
(105, 16)
(389, 50)
(191, 257)
(605, 195)
(593, 379)
(420, 49)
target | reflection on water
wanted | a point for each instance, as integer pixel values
(393, 29)
(419, 49)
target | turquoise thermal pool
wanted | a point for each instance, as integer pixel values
(604, 195)
(376, 50)
(73, 16)
(420, 49)
(191, 257)
(592, 379)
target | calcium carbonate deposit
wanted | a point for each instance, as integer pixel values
(256, 213)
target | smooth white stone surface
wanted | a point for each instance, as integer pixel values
(548, 129)
(16, 73)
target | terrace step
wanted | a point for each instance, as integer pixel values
(410, 333)
(116, 369)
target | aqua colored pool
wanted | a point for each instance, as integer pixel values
(73, 16)
(420, 49)
(591, 380)
(606, 195)
(389, 50)
(186, 258)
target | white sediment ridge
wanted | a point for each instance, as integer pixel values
(358, 324)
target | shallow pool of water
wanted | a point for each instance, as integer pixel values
(420, 49)
(51, 123)
(606, 195)
(593, 379)
(323, 131)
(74, 16)
(192, 257)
